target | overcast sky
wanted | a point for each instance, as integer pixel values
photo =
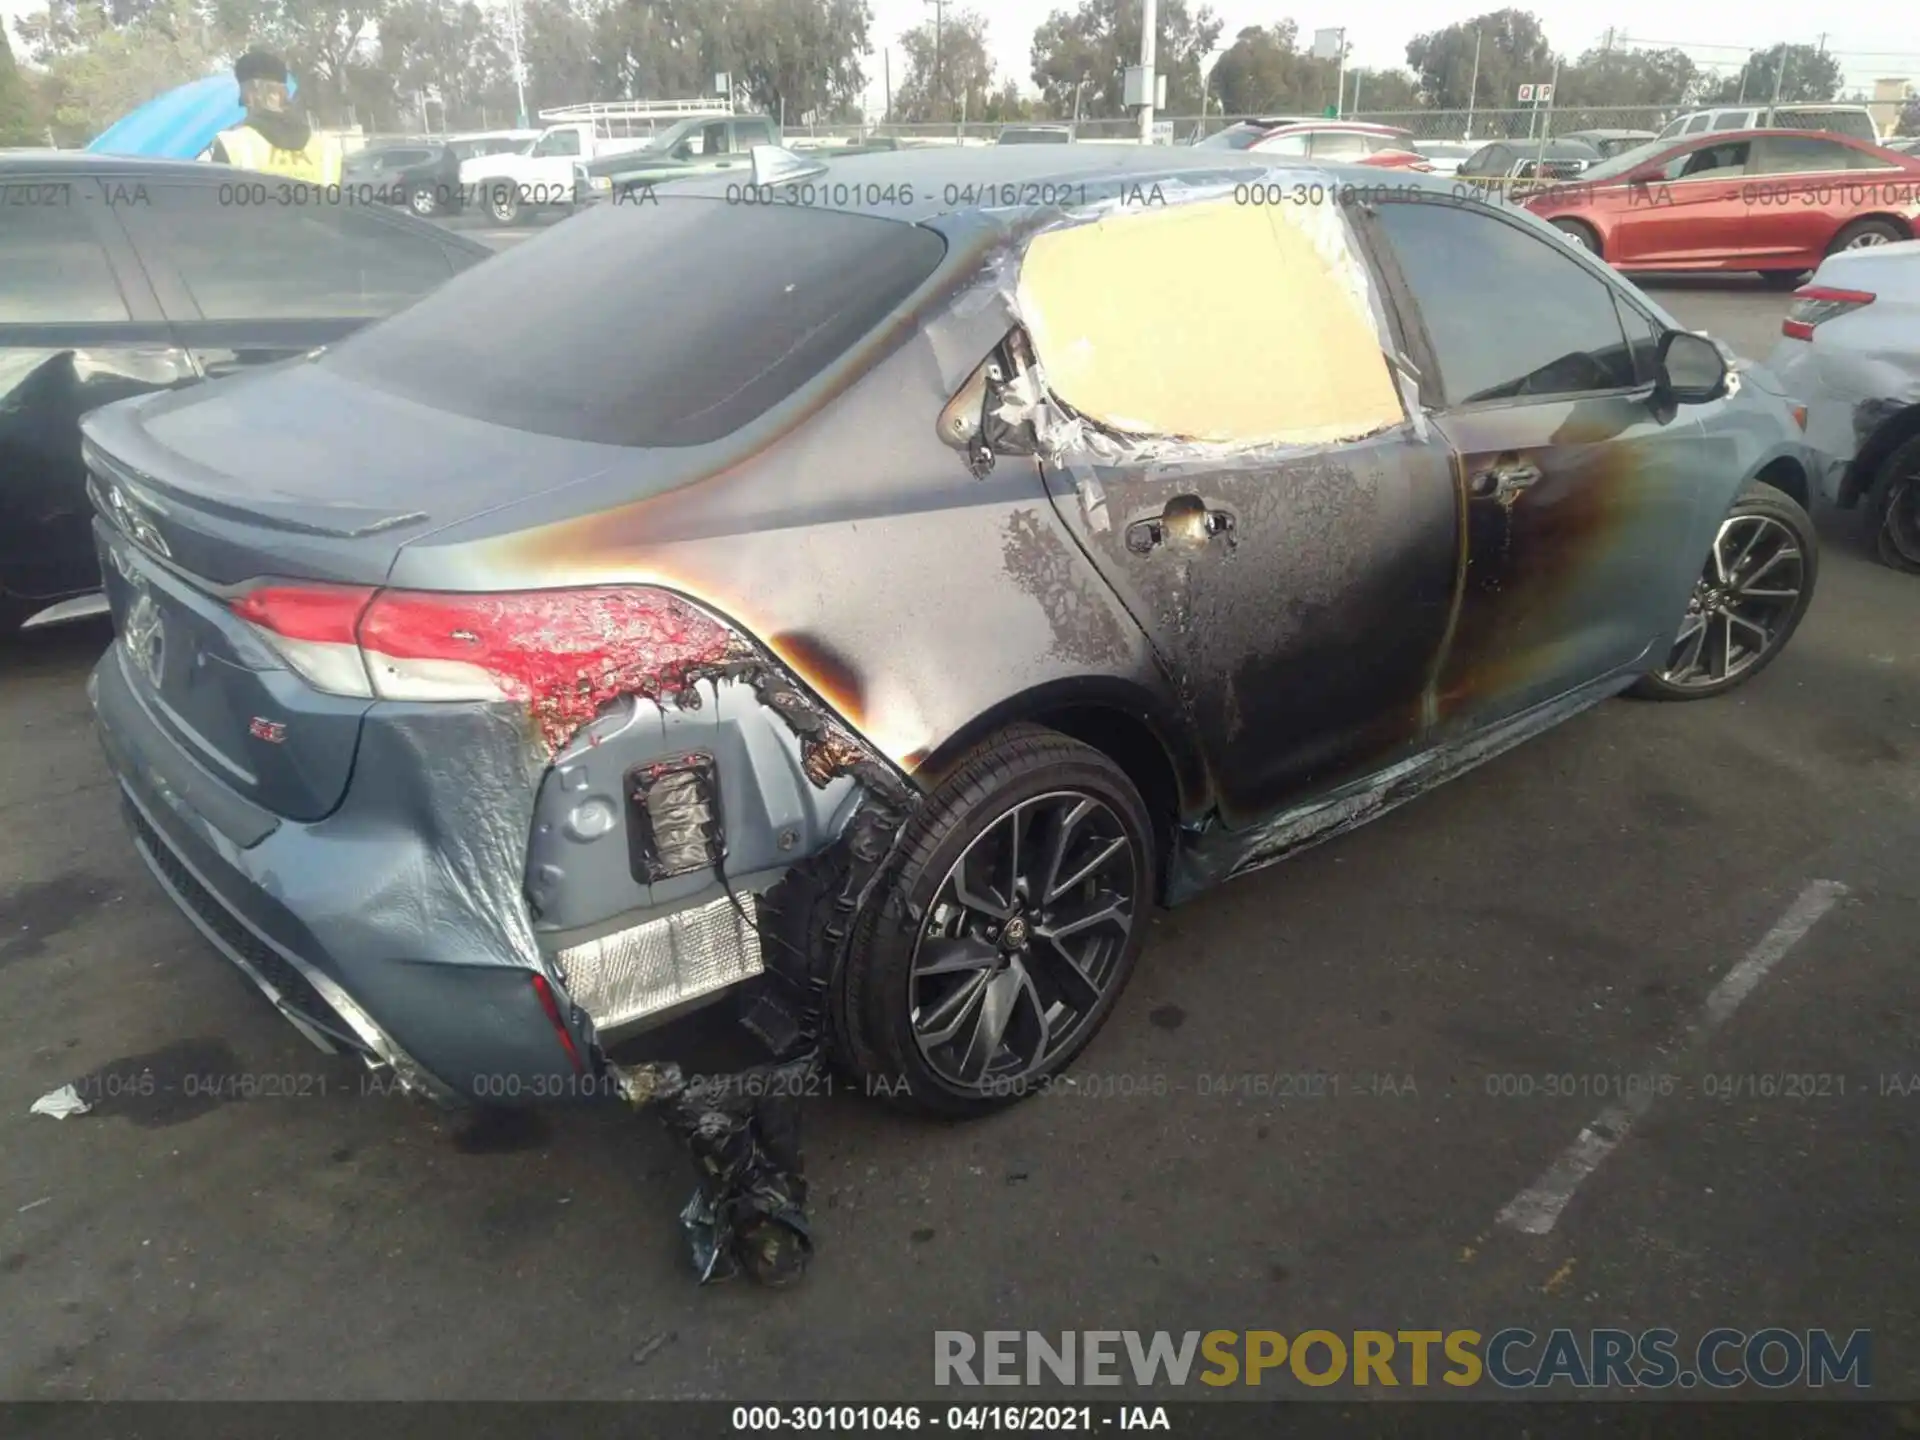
(1871, 38)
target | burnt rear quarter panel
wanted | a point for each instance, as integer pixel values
(925, 605)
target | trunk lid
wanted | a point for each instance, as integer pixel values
(276, 474)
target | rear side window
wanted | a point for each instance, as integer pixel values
(253, 261)
(1454, 256)
(52, 269)
(1839, 122)
(1797, 155)
(665, 324)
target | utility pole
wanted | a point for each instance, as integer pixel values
(886, 70)
(519, 68)
(939, 24)
(1473, 85)
(1148, 20)
(1746, 69)
(1340, 86)
(1546, 127)
(1779, 76)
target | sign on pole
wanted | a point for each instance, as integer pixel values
(1327, 44)
(1542, 94)
(1526, 94)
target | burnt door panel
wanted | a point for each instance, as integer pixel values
(1299, 604)
(1579, 512)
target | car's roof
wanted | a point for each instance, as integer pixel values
(1606, 134)
(71, 162)
(918, 185)
(1365, 127)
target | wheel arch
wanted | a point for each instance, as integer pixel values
(1898, 222)
(1139, 731)
(1787, 475)
(1863, 475)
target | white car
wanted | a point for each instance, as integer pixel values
(1854, 120)
(1850, 354)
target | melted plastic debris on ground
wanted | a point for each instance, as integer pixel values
(61, 1103)
(743, 1131)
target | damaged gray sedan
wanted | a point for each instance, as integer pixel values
(1016, 540)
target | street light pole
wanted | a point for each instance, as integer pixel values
(519, 69)
(939, 24)
(1148, 20)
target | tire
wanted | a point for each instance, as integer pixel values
(1027, 780)
(423, 202)
(503, 202)
(1768, 531)
(1894, 509)
(1580, 233)
(1862, 233)
(1782, 279)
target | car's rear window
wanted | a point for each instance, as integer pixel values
(672, 322)
(1856, 123)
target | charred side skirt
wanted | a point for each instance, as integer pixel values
(748, 1212)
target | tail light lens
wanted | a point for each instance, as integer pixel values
(312, 627)
(563, 652)
(1816, 304)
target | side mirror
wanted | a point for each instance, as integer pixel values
(1692, 368)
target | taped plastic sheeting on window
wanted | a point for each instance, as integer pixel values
(1212, 322)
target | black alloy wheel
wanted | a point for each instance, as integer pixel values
(1752, 593)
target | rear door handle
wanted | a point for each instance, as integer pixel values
(1505, 479)
(1185, 521)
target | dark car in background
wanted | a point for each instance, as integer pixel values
(422, 175)
(1609, 142)
(1035, 135)
(877, 635)
(1502, 162)
(120, 276)
(692, 147)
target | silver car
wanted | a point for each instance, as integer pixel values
(1849, 352)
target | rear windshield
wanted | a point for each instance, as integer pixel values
(668, 323)
(1234, 137)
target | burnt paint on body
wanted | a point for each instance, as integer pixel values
(1546, 560)
(1302, 635)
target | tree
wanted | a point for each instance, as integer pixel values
(1098, 41)
(948, 75)
(1810, 74)
(451, 50)
(1381, 90)
(20, 119)
(98, 69)
(1629, 77)
(1264, 72)
(1910, 116)
(1007, 103)
(793, 57)
(1513, 52)
(328, 44)
(556, 45)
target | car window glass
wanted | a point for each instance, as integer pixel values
(714, 137)
(1337, 145)
(1454, 256)
(1643, 339)
(1709, 162)
(804, 285)
(1698, 124)
(1794, 154)
(257, 262)
(559, 142)
(52, 269)
(1730, 120)
(1284, 145)
(1191, 353)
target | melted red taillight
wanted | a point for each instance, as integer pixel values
(550, 1003)
(563, 653)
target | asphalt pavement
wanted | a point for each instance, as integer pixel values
(1324, 1089)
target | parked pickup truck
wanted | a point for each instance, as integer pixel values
(694, 146)
(509, 185)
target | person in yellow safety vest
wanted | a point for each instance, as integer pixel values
(272, 138)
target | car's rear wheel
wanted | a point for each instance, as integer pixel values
(1864, 233)
(503, 202)
(423, 202)
(1007, 930)
(1751, 596)
(1580, 233)
(1895, 508)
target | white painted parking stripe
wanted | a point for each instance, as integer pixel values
(1535, 1209)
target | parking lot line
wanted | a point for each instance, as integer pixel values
(1535, 1209)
